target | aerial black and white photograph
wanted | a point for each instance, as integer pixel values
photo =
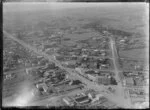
(76, 55)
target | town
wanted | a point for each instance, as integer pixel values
(85, 66)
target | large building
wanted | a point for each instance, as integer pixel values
(103, 80)
(42, 87)
(92, 77)
(129, 81)
(83, 100)
(68, 101)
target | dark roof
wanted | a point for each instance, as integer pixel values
(76, 82)
(80, 99)
(90, 72)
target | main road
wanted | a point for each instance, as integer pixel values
(52, 59)
(90, 84)
(49, 57)
(119, 88)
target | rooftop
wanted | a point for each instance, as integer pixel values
(80, 99)
(129, 80)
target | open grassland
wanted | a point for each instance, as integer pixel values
(134, 53)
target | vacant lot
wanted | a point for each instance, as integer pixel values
(134, 53)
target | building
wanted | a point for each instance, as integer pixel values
(65, 88)
(79, 95)
(50, 65)
(103, 54)
(42, 87)
(83, 100)
(138, 67)
(139, 81)
(103, 80)
(79, 70)
(7, 76)
(28, 71)
(75, 82)
(93, 77)
(127, 74)
(92, 65)
(68, 101)
(122, 41)
(70, 64)
(113, 80)
(104, 65)
(47, 73)
(90, 72)
(129, 81)
(102, 99)
(108, 104)
(49, 51)
(95, 97)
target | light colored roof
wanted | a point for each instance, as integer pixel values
(129, 80)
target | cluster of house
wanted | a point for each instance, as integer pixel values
(132, 42)
(82, 51)
(122, 42)
(100, 77)
(48, 45)
(54, 81)
(135, 78)
(139, 96)
(19, 57)
(134, 64)
(85, 62)
(9, 76)
(11, 59)
(138, 81)
(92, 63)
(87, 98)
(137, 93)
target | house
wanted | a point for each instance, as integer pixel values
(137, 92)
(92, 65)
(102, 99)
(28, 71)
(50, 65)
(49, 51)
(77, 51)
(79, 95)
(122, 41)
(42, 87)
(128, 74)
(139, 81)
(83, 100)
(60, 58)
(95, 97)
(93, 77)
(47, 73)
(83, 65)
(70, 64)
(7, 76)
(129, 81)
(104, 65)
(113, 80)
(109, 104)
(90, 72)
(76, 82)
(64, 88)
(138, 67)
(68, 101)
(103, 80)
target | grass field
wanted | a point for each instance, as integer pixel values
(134, 53)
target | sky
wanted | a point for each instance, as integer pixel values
(22, 6)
